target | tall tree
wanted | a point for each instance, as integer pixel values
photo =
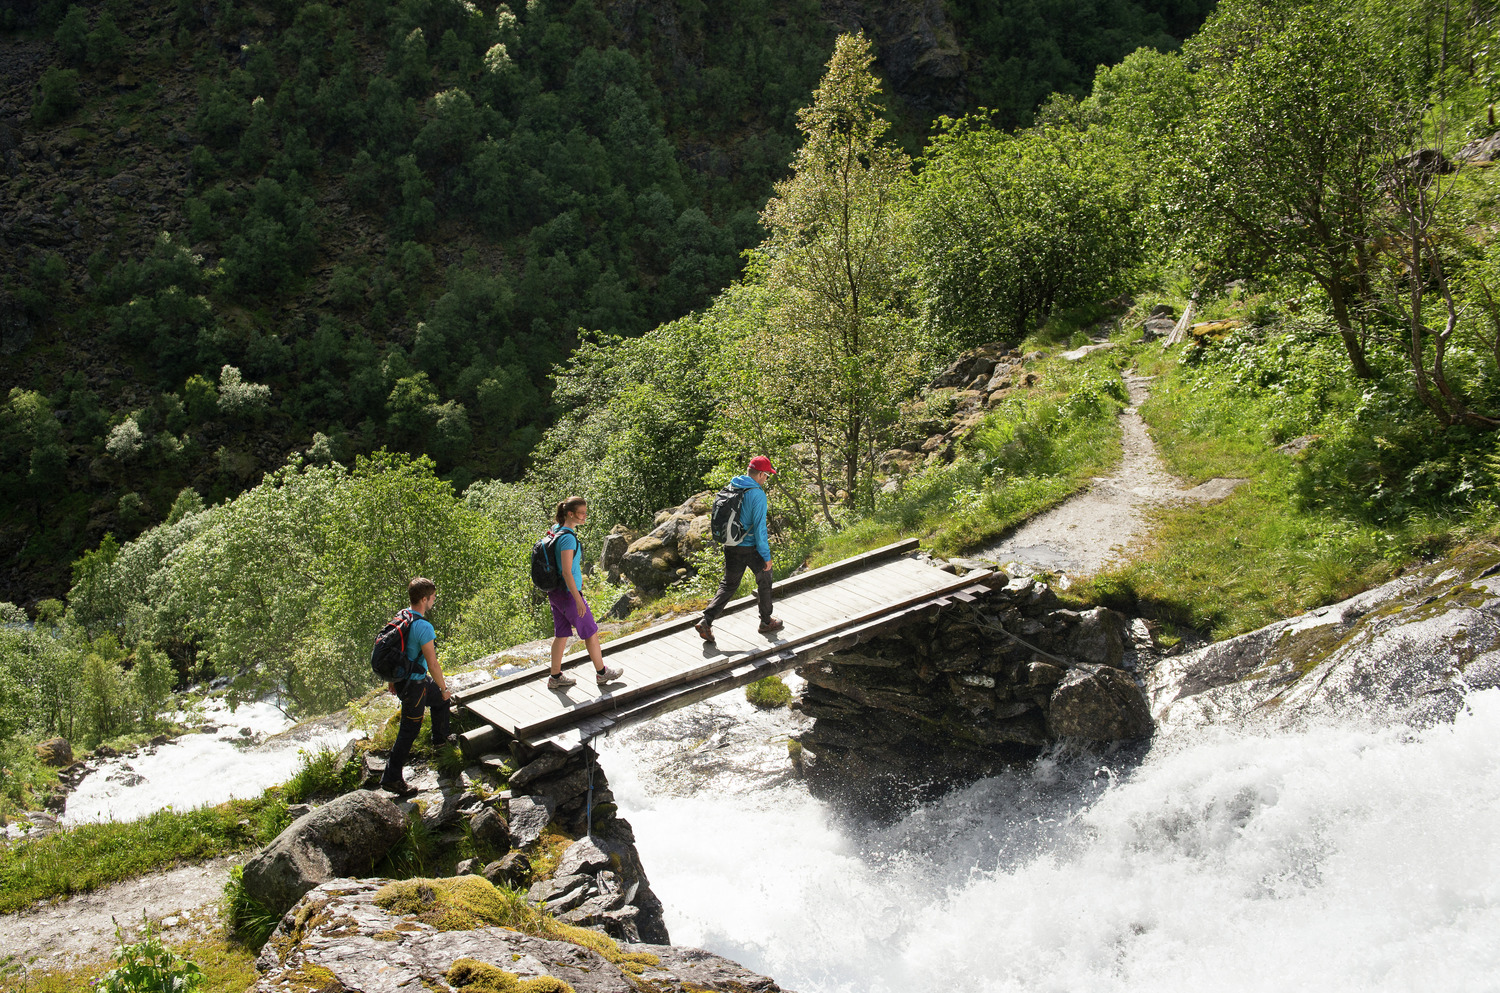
(840, 346)
(1010, 226)
(1283, 166)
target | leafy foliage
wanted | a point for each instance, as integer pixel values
(148, 966)
(1011, 227)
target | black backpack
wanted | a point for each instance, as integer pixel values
(546, 563)
(388, 660)
(724, 519)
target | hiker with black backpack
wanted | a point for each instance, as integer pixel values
(738, 521)
(423, 685)
(570, 611)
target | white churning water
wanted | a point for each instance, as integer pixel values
(1333, 859)
(195, 770)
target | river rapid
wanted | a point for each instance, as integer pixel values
(1339, 858)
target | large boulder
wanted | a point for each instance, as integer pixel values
(1099, 703)
(666, 553)
(344, 837)
(55, 752)
(1406, 652)
(613, 551)
(340, 938)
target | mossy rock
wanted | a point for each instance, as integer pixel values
(473, 976)
(459, 903)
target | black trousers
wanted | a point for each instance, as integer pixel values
(416, 697)
(738, 558)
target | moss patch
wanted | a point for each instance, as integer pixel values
(548, 851)
(603, 944)
(473, 976)
(460, 903)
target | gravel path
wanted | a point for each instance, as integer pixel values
(1083, 534)
(82, 928)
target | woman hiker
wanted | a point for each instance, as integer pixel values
(570, 612)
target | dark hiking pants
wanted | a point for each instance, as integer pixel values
(738, 558)
(415, 697)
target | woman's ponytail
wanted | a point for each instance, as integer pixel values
(569, 505)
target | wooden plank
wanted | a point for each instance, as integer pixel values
(487, 710)
(785, 586)
(715, 665)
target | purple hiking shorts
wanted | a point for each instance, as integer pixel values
(565, 617)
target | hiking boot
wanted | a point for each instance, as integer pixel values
(767, 627)
(400, 787)
(561, 681)
(705, 630)
(608, 674)
(451, 740)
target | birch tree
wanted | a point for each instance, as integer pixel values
(840, 348)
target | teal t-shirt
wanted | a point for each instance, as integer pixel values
(568, 540)
(421, 633)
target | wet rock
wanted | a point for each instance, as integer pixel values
(1099, 703)
(344, 837)
(1403, 652)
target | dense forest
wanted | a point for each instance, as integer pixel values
(1313, 178)
(237, 230)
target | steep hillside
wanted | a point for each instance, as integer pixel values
(230, 232)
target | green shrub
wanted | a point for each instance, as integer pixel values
(106, 44)
(57, 96)
(72, 36)
(320, 776)
(148, 966)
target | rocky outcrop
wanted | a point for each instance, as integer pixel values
(917, 50)
(964, 693)
(338, 938)
(1407, 651)
(345, 837)
(600, 881)
(665, 554)
(955, 403)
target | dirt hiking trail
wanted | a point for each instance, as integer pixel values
(1088, 531)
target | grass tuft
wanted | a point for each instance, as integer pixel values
(768, 693)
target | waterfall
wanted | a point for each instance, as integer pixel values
(1336, 858)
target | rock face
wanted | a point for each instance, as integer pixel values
(1406, 651)
(965, 693)
(665, 554)
(338, 939)
(344, 837)
(599, 881)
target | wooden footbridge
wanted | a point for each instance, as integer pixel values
(668, 666)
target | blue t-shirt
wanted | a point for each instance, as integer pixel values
(421, 633)
(567, 540)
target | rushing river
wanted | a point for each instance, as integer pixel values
(1334, 859)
